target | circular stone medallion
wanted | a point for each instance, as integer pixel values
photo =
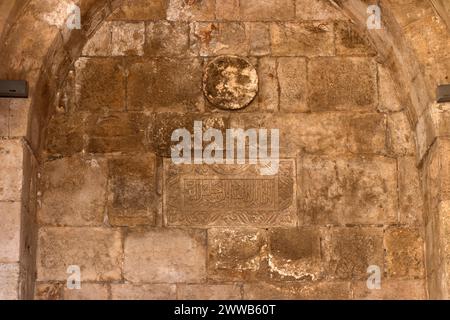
(230, 82)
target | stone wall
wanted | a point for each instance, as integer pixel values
(347, 196)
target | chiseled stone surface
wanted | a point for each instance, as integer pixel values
(97, 251)
(410, 200)
(350, 42)
(237, 254)
(293, 85)
(401, 136)
(267, 10)
(9, 281)
(129, 291)
(165, 255)
(316, 10)
(128, 39)
(167, 38)
(209, 292)
(192, 10)
(10, 231)
(73, 192)
(88, 291)
(11, 157)
(140, 10)
(391, 290)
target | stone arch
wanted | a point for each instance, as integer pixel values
(44, 60)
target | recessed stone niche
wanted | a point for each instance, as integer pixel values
(230, 82)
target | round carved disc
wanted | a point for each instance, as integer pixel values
(230, 82)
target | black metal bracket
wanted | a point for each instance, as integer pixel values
(443, 93)
(13, 89)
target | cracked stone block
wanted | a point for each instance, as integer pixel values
(404, 253)
(132, 196)
(209, 292)
(128, 39)
(128, 291)
(295, 254)
(353, 250)
(350, 42)
(11, 157)
(317, 10)
(191, 10)
(342, 84)
(10, 231)
(267, 10)
(309, 39)
(97, 251)
(140, 10)
(99, 84)
(167, 38)
(237, 254)
(165, 255)
(73, 192)
(156, 84)
(293, 85)
(353, 190)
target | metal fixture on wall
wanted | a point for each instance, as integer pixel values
(13, 89)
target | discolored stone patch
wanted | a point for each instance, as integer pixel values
(230, 82)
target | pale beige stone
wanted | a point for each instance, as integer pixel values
(170, 255)
(100, 44)
(317, 10)
(10, 231)
(88, 291)
(11, 157)
(18, 117)
(391, 290)
(128, 39)
(97, 251)
(267, 10)
(259, 37)
(128, 291)
(9, 281)
(410, 193)
(167, 38)
(140, 10)
(367, 134)
(268, 94)
(388, 90)
(293, 85)
(401, 137)
(209, 292)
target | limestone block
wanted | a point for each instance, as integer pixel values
(293, 86)
(367, 134)
(129, 291)
(389, 91)
(259, 37)
(165, 255)
(100, 44)
(229, 195)
(88, 291)
(193, 10)
(317, 10)
(410, 192)
(309, 39)
(128, 39)
(209, 292)
(18, 117)
(391, 290)
(295, 254)
(353, 190)
(4, 119)
(342, 84)
(97, 251)
(132, 196)
(11, 158)
(353, 250)
(268, 95)
(404, 253)
(227, 10)
(9, 281)
(156, 84)
(237, 254)
(166, 38)
(48, 291)
(65, 134)
(297, 291)
(140, 10)
(10, 231)
(401, 137)
(351, 42)
(99, 84)
(267, 10)
(73, 192)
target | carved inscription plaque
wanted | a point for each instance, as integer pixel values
(229, 195)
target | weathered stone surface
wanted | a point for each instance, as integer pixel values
(401, 137)
(259, 37)
(140, 10)
(213, 39)
(293, 86)
(116, 132)
(295, 254)
(302, 39)
(410, 199)
(156, 85)
(48, 291)
(229, 195)
(342, 84)
(65, 134)
(11, 158)
(193, 10)
(97, 251)
(162, 125)
(348, 190)
(353, 250)
(165, 255)
(230, 82)
(237, 254)
(209, 292)
(10, 231)
(268, 95)
(100, 44)
(297, 291)
(99, 84)
(391, 290)
(267, 10)
(388, 91)
(367, 134)
(4, 120)
(166, 38)
(18, 117)
(404, 253)
(316, 10)
(9, 281)
(73, 192)
(350, 42)
(143, 292)
(128, 39)
(227, 10)
(131, 190)
(88, 291)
